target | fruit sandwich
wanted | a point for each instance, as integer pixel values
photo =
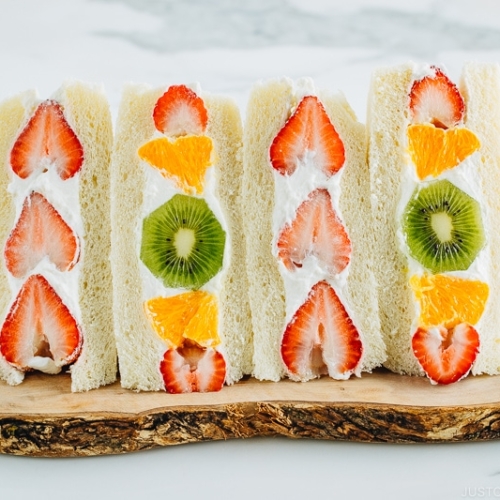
(182, 320)
(55, 278)
(435, 169)
(310, 241)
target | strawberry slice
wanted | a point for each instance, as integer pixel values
(191, 368)
(180, 111)
(321, 338)
(47, 140)
(308, 137)
(446, 354)
(40, 232)
(316, 231)
(436, 100)
(39, 331)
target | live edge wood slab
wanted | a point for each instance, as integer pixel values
(41, 417)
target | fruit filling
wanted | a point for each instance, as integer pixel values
(446, 354)
(316, 232)
(313, 245)
(443, 227)
(433, 150)
(47, 141)
(321, 338)
(448, 300)
(308, 137)
(191, 368)
(179, 111)
(435, 99)
(443, 230)
(183, 243)
(40, 332)
(189, 315)
(188, 323)
(184, 160)
(39, 233)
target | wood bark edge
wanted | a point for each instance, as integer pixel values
(103, 434)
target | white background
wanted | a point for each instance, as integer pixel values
(227, 46)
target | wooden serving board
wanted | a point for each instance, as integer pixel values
(41, 417)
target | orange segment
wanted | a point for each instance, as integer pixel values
(190, 315)
(448, 301)
(203, 329)
(434, 150)
(185, 160)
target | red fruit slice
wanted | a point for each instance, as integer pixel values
(180, 111)
(39, 331)
(308, 135)
(47, 140)
(192, 368)
(316, 231)
(321, 338)
(446, 355)
(40, 232)
(437, 100)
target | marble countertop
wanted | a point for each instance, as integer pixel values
(227, 46)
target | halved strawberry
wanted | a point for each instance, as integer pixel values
(446, 355)
(180, 111)
(308, 136)
(47, 140)
(40, 331)
(321, 338)
(316, 231)
(40, 232)
(437, 100)
(192, 368)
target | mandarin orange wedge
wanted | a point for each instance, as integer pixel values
(190, 315)
(434, 150)
(448, 300)
(184, 160)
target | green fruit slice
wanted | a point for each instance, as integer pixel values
(443, 227)
(183, 243)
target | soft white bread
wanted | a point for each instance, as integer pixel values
(140, 349)
(270, 105)
(388, 119)
(87, 112)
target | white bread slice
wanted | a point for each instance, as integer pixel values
(140, 349)
(388, 118)
(386, 125)
(87, 112)
(270, 105)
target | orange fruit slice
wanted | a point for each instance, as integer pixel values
(184, 160)
(447, 300)
(190, 315)
(434, 150)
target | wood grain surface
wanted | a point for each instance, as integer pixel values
(41, 417)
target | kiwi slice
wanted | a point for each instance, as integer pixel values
(443, 227)
(183, 242)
